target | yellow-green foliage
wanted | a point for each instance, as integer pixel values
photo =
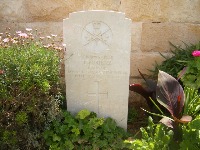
(29, 90)
(84, 131)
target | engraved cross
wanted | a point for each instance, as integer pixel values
(97, 93)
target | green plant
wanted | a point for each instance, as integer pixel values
(30, 91)
(170, 94)
(191, 132)
(185, 133)
(174, 64)
(191, 135)
(154, 137)
(192, 102)
(158, 136)
(132, 114)
(84, 131)
(192, 74)
(148, 92)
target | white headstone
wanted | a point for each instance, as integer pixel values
(97, 63)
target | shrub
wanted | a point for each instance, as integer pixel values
(191, 78)
(185, 131)
(181, 56)
(191, 135)
(29, 90)
(192, 102)
(158, 136)
(84, 131)
(154, 137)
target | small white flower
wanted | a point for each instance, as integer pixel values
(47, 46)
(53, 35)
(6, 40)
(18, 32)
(28, 29)
(64, 45)
(48, 37)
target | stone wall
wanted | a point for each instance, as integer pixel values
(155, 23)
(185, 11)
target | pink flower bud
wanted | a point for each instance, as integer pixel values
(1, 72)
(196, 53)
(23, 35)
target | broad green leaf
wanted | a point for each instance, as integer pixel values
(195, 124)
(56, 138)
(83, 114)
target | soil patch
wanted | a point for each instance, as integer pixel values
(137, 118)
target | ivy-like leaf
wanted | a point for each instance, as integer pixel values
(83, 114)
(56, 138)
(76, 131)
(195, 124)
(170, 94)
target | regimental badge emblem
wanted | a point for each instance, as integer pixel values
(96, 36)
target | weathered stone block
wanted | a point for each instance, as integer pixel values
(144, 62)
(136, 36)
(12, 10)
(137, 10)
(156, 36)
(162, 10)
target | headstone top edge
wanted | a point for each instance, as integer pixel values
(111, 11)
(93, 11)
